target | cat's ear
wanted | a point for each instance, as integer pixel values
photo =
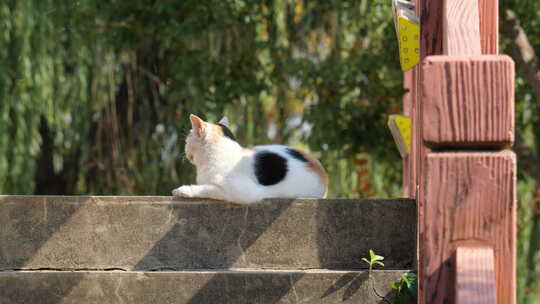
(224, 121)
(197, 124)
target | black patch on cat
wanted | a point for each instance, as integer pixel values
(295, 154)
(226, 131)
(270, 168)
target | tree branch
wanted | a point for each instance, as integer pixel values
(523, 54)
(521, 51)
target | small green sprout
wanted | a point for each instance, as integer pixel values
(405, 288)
(373, 260)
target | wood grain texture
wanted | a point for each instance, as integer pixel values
(410, 84)
(409, 173)
(489, 26)
(468, 196)
(468, 101)
(463, 197)
(431, 26)
(461, 28)
(475, 275)
(430, 14)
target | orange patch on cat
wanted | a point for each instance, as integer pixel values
(217, 129)
(217, 132)
(314, 165)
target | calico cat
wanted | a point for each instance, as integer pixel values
(227, 171)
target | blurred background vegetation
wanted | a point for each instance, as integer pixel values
(94, 95)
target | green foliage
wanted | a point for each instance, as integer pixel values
(528, 127)
(406, 289)
(95, 95)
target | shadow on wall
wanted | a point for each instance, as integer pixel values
(272, 234)
(387, 226)
(349, 284)
(32, 227)
(212, 238)
(348, 229)
(202, 237)
(354, 286)
(246, 289)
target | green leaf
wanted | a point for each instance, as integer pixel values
(405, 278)
(410, 280)
(372, 254)
(378, 263)
(366, 260)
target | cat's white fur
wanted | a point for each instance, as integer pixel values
(225, 170)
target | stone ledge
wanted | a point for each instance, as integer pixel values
(160, 233)
(196, 287)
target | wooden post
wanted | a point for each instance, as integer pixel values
(475, 279)
(409, 162)
(489, 26)
(462, 111)
(410, 79)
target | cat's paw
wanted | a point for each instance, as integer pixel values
(183, 191)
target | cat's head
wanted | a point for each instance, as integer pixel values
(205, 135)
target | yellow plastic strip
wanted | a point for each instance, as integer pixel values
(400, 126)
(409, 43)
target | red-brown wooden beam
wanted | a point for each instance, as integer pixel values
(463, 196)
(489, 26)
(410, 79)
(468, 197)
(475, 275)
(468, 102)
(409, 162)
(431, 15)
(461, 28)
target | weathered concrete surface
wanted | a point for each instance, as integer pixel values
(159, 233)
(316, 286)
